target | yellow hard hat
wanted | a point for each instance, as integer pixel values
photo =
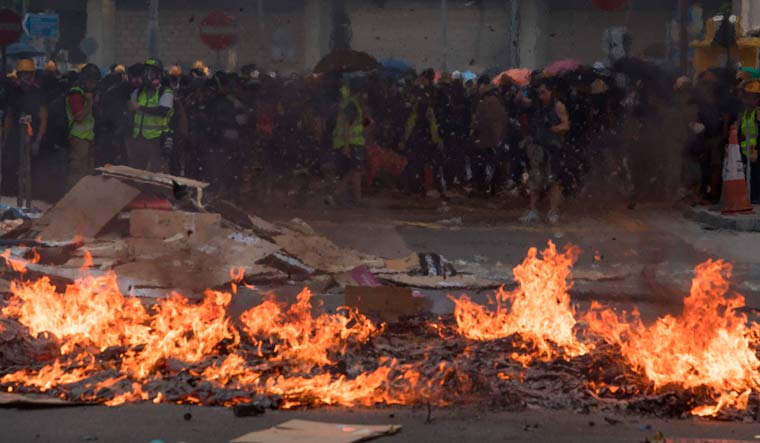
(752, 87)
(120, 69)
(175, 70)
(199, 65)
(25, 65)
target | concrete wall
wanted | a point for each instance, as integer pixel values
(411, 30)
(533, 35)
(575, 28)
(279, 45)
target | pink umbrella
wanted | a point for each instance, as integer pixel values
(521, 76)
(561, 66)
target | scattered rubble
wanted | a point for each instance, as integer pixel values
(159, 240)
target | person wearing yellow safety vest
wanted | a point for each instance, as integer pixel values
(348, 140)
(153, 105)
(748, 137)
(422, 145)
(79, 103)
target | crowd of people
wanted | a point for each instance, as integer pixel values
(630, 132)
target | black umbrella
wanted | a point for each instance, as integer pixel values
(346, 60)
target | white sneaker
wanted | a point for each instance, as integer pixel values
(530, 217)
(553, 217)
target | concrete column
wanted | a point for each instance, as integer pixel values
(316, 31)
(153, 33)
(101, 24)
(513, 48)
(534, 23)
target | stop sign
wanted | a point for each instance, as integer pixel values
(218, 30)
(10, 27)
(610, 5)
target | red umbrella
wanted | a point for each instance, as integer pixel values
(561, 66)
(609, 5)
(521, 76)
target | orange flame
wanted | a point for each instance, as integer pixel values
(19, 265)
(92, 316)
(298, 336)
(709, 344)
(539, 309)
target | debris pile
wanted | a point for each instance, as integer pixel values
(148, 304)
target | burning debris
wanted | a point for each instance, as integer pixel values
(79, 335)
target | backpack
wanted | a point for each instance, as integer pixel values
(58, 121)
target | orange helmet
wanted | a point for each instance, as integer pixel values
(50, 66)
(25, 65)
(175, 70)
(752, 87)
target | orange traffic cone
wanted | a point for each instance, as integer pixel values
(735, 198)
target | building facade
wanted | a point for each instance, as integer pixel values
(292, 35)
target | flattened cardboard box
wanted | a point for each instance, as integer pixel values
(151, 223)
(305, 431)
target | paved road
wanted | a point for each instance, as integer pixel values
(144, 423)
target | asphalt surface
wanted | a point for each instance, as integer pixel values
(146, 423)
(490, 240)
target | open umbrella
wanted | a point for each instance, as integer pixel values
(394, 64)
(561, 66)
(469, 75)
(346, 60)
(654, 77)
(520, 76)
(23, 50)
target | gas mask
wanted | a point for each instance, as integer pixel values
(152, 78)
(26, 80)
(174, 82)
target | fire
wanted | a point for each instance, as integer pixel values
(92, 318)
(709, 344)
(539, 309)
(298, 336)
(18, 265)
(114, 348)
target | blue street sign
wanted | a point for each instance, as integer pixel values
(41, 25)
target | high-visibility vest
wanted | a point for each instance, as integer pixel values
(84, 129)
(356, 131)
(150, 126)
(435, 136)
(749, 131)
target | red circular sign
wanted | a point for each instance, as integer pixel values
(218, 30)
(10, 27)
(610, 5)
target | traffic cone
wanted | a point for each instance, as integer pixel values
(735, 198)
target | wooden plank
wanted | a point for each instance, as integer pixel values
(152, 177)
(13, 400)
(459, 281)
(84, 210)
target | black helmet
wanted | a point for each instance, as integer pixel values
(90, 71)
(154, 63)
(135, 70)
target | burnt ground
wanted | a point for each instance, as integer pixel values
(645, 258)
